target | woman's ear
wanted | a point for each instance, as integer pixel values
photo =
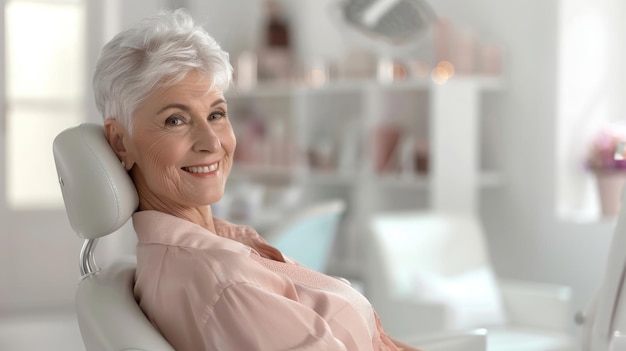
(119, 139)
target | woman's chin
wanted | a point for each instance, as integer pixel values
(212, 199)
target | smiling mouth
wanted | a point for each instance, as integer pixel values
(201, 169)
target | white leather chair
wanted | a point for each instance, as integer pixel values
(100, 198)
(431, 272)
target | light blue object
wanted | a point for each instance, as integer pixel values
(308, 238)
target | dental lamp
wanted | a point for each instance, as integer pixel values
(386, 26)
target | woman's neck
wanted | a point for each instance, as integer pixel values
(148, 200)
(201, 216)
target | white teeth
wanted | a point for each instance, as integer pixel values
(205, 169)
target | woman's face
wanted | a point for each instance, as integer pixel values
(182, 146)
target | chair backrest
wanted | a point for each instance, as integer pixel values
(411, 243)
(308, 237)
(99, 195)
(436, 258)
(99, 198)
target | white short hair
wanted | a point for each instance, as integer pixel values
(157, 52)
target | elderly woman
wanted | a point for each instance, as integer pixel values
(207, 284)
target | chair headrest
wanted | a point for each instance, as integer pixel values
(98, 193)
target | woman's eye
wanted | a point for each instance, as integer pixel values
(217, 115)
(174, 121)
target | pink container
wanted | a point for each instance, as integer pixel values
(610, 185)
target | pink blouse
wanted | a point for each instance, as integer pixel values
(230, 290)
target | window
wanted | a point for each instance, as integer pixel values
(591, 93)
(45, 93)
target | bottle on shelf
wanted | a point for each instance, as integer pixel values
(275, 55)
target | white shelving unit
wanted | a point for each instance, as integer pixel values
(447, 115)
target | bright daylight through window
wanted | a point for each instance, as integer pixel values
(45, 93)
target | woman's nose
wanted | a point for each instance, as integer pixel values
(206, 139)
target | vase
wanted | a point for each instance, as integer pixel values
(610, 185)
(386, 138)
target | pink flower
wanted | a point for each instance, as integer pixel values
(603, 148)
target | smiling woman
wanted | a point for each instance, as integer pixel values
(207, 284)
(181, 149)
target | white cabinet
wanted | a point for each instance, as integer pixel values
(403, 145)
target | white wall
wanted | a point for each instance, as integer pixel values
(234, 24)
(4, 228)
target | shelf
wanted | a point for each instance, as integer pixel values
(267, 90)
(284, 174)
(587, 217)
(331, 178)
(340, 119)
(487, 179)
(265, 172)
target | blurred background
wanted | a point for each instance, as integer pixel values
(320, 115)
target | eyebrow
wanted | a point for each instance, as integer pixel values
(186, 108)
